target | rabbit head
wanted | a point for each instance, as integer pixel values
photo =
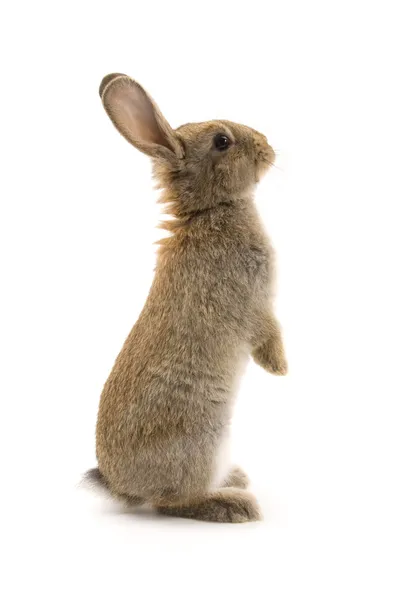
(200, 164)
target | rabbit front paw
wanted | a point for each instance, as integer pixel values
(271, 357)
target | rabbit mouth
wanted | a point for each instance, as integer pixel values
(265, 160)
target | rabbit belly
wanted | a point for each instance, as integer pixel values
(222, 462)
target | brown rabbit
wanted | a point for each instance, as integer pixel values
(163, 423)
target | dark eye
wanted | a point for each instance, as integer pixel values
(221, 142)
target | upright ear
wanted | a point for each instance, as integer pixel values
(138, 118)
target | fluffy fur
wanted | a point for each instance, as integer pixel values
(163, 423)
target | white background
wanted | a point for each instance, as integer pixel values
(78, 221)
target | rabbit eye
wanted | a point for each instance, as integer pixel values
(221, 142)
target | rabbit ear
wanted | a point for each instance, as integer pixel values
(138, 118)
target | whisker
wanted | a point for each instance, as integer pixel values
(274, 165)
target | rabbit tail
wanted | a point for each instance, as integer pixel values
(95, 479)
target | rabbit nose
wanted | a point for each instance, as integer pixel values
(263, 139)
(106, 80)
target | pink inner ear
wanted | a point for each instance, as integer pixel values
(134, 113)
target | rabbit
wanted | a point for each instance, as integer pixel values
(162, 434)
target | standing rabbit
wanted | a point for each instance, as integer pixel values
(163, 423)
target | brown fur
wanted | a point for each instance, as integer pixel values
(165, 409)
